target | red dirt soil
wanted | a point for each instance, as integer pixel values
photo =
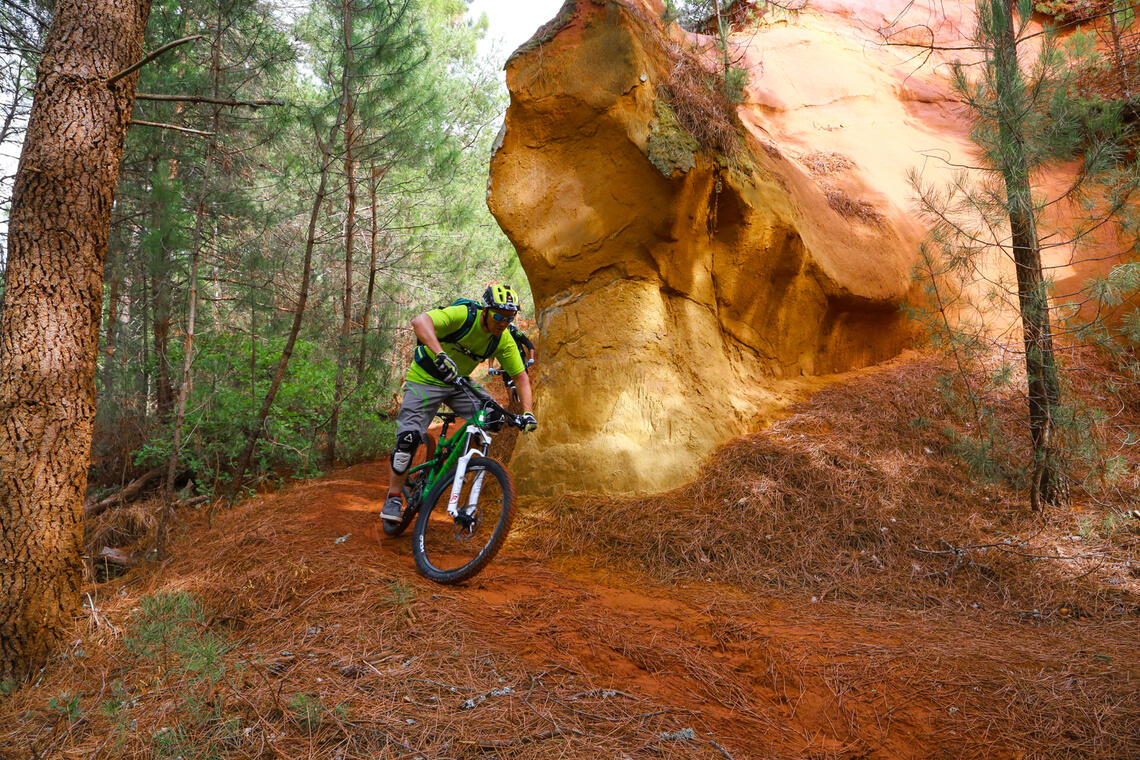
(546, 656)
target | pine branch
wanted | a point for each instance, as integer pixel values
(151, 56)
(172, 126)
(204, 99)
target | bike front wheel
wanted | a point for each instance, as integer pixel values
(452, 549)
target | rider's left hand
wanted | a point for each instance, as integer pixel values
(529, 422)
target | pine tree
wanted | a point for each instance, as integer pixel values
(61, 212)
(1027, 114)
(1010, 158)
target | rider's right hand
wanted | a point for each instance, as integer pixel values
(446, 366)
(528, 422)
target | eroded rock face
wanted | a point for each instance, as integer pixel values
(675, 292)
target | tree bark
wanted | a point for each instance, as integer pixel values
(348, 104)
(1040, 362)
(49, 331)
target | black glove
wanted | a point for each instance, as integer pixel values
(446, 366)
(529, 423)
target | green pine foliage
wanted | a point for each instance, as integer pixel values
(171, 643)
(1063, 121)
(237, 200)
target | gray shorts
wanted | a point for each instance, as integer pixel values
(421, 402)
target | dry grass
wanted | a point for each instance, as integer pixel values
(852, 208)
(697, 98)
(694, 92)
(859, 497)
(822, 163)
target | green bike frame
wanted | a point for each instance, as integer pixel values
(449, 453)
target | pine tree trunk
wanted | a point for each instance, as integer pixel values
(111, 329)
(49, 331)
(1033, 298)
(187, 381)
(348, 103)
(160, 326)
(1119, 57)
(367, 318)
(144, 368)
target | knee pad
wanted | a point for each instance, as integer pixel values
(406, 445)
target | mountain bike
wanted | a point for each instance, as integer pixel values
(462, 501)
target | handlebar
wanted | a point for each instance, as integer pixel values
(484, 401)
(496, 371)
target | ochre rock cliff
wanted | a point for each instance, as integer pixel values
(678, 289)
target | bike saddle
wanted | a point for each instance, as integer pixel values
(447, 416)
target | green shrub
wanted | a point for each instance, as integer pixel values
(308, 711)
(68, 705)
(171, 628)
(224, 404)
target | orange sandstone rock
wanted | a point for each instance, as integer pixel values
(676, 289)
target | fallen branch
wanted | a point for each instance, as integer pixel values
(117, 557)
(723, 751)
(601, 694)
(128, 492)
(961, 551)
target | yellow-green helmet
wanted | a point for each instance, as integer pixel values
(501, 297)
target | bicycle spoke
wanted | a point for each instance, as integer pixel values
(449, 549)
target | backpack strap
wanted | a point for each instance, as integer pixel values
(521, 338)
(427, 365)
(458, 334)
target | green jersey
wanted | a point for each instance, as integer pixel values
(476, 341)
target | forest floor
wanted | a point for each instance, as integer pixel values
(834, 587)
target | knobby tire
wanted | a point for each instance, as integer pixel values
(424, 543)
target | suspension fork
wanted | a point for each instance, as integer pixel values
(461, 471)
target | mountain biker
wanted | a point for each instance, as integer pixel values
(453, 341)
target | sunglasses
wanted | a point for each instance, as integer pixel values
(501, 318)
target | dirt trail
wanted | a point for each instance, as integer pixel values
(752, 677)
(750, 671)
(337, 648)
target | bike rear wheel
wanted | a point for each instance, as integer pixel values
(413, 489)
(452, 549)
